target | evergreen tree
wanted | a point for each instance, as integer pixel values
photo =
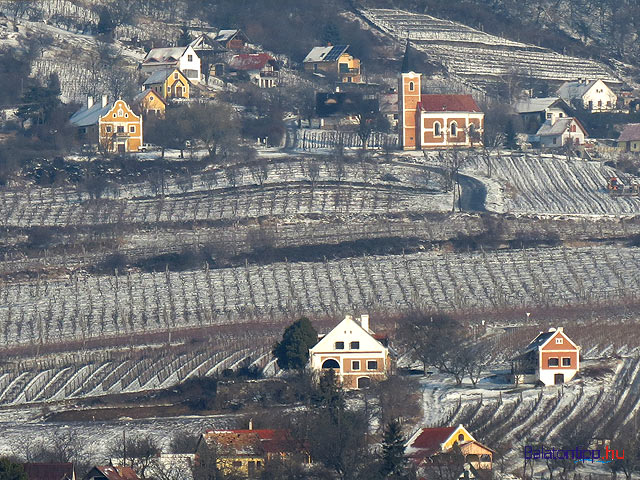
(510, 135)
(39, 102)
(331, 34)
(11, 471)
(393, 459)
(106, 22)
(292, 353)
(184, 39)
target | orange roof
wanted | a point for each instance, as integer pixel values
(257, 442)
(118, 473)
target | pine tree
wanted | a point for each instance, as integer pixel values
(184, 39)
(393, 459)
(11, 471)
(292, 353)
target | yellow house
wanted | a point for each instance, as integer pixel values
(334, 59)
(114, 126)
(169, 83)
(120, 129)
(244, 452)
(148, 102)
(428, 443)
(629, 140)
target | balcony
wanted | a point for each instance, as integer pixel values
(349, 71)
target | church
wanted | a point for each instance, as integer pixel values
(435, 121)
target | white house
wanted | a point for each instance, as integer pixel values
(551, 358)
(561, 132)
(184, 59)
(354, 352)
(594, 95)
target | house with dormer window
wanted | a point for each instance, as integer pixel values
(184, 59)
(551, 358)
(357, 355)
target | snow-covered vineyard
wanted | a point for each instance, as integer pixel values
(554, 185)
(500, 419)
(93, 306)
(96, 373)
(480, 57)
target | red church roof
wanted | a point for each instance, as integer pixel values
(449, 103)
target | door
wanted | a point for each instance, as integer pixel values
(364, 382)
(179, 91)
(121, 148)
(558, 378)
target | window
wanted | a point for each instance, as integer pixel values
(549, 115)
(566, 361)
(120, 128)
(461, 437)
(189, 59)
(561, 115)
(559, 341)
(555, 140)
(151, 98)
(411, 86)
(355, 365)
(237, 463)
(372, 364)
(176, 76)
(114, 115)
(126, 115)
(553, 362)
(339, 345)
(573, 128)
(454, 129)
(436, 129)
(132, 129)
(109, 129)
(354, 346)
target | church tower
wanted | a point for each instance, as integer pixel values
(408, 99)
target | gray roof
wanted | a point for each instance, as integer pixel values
(560, 126)
(158, 76)
(164, 55)
(226, 35)
(325, 54)
(575, 90)
(539, 341)
(531, 105)
(86, 117)
(630, 133)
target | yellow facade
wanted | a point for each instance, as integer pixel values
(460, 435)
(346, 67)
(175, 85)
(152, 103)
(120, 130)
(247, 467)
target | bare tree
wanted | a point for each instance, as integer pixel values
(260, 171)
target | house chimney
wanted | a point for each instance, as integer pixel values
(348, 317)
(251, 424)
(364, 321)
(104, 100)
(552, 329)
(89, 102)
(560, 329)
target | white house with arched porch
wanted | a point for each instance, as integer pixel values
(356, 354)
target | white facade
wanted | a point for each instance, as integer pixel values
(561, 132)
(352, 351)
(183, 58)
(191, 65)
(596, 96)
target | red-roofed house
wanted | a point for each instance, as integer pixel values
(110, 472)
(261, 68)
(434, 446)
(435, 121)
(245, 452)
(629, 139)
(49, 471)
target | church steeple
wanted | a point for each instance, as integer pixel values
(406, 67)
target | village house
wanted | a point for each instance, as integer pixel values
(435, 121)
(551, 358)
(49, 471)
(535, 111)
(110, 472)
(337, 109)
(148, 102)
(232, 39)
(246, 452)
(430, 448)
(169, 83)
(560, 132)
(184, 59)
(113, 126)
(334, 60)
(595, 95)
(629, 139)
(261, 68)
(354, 352)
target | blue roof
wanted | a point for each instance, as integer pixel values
(85, 117)
(159, 76)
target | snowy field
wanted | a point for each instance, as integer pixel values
(480, 57)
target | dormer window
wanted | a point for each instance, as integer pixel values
(354, 346)
(339, 345)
